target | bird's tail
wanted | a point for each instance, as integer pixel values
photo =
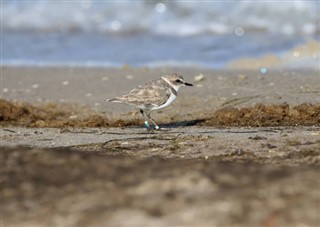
(114, 100)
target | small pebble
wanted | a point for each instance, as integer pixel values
(270, 146)
(105, 78)
(5, 90)
(242, 77)
(239, 151)
(65, 83)
(88, 94)
(73, 117)
(199, 77)
(129, 77)
(35, 85)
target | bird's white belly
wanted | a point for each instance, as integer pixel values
(167, 103)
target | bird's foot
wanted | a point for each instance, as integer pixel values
(156, 127)
(147, 125)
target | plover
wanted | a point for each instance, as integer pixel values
(153, 95)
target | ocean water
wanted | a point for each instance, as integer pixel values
(153, 33)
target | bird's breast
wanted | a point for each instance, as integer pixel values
(171, 98)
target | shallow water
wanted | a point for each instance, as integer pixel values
(83, 49)
(140, 33)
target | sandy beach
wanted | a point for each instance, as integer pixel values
(240, 148)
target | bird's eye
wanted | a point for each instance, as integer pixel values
(178, 81)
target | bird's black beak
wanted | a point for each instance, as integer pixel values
(187, 84)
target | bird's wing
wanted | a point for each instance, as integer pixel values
(153, 93)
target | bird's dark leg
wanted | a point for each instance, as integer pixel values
(145, 119)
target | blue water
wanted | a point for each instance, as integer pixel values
(137, 50)
(144, 33)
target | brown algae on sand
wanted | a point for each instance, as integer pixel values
(54, 116)
(262, 115)
(57, 116)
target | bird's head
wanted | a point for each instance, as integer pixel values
(176, 81)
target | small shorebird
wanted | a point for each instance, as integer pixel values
(153, 95)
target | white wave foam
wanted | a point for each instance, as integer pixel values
(38, 63)
(169, 18)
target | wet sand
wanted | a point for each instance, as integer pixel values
(240, 148)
